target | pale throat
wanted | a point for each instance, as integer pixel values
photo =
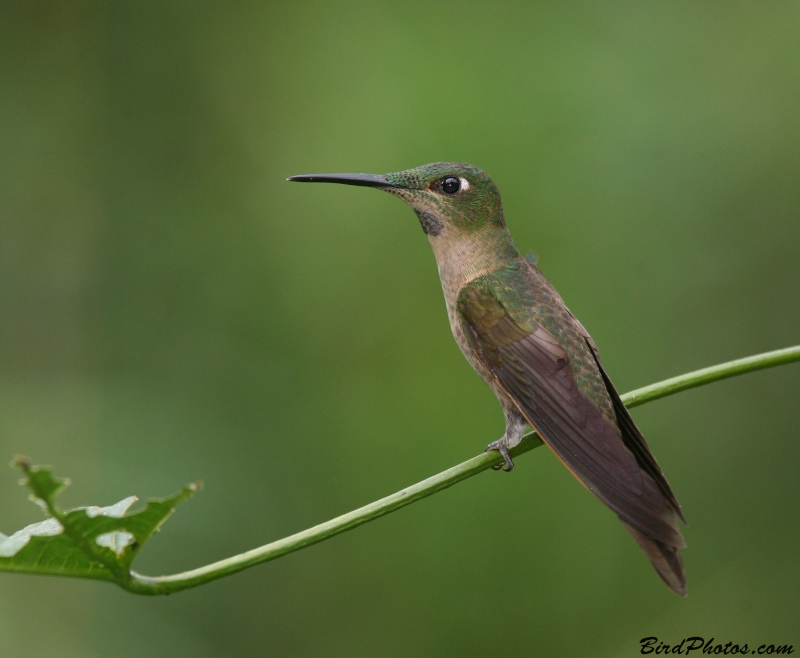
(462, 257)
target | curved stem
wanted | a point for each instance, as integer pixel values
(711, 374)
(166, 584)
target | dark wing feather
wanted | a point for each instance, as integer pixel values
(532, 367)
(631, 435)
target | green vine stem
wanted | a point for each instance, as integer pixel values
(141, 584)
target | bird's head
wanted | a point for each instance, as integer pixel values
(452, 198)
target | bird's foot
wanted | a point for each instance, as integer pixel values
(498, 445)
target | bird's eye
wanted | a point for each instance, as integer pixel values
(450, 185)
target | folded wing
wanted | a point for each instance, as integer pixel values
(610, 458)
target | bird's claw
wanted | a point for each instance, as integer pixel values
(509, 464)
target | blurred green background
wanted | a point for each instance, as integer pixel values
(172, 310)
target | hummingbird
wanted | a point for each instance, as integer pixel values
(533, 353)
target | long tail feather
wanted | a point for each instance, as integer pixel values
(665, 559)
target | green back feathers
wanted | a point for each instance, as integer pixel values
(520, 292)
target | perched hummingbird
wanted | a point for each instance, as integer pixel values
(515, 330)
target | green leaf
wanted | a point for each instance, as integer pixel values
(87, 542)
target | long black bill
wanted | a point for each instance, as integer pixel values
(365, 180)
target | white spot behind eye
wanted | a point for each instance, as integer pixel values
(464, 184)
